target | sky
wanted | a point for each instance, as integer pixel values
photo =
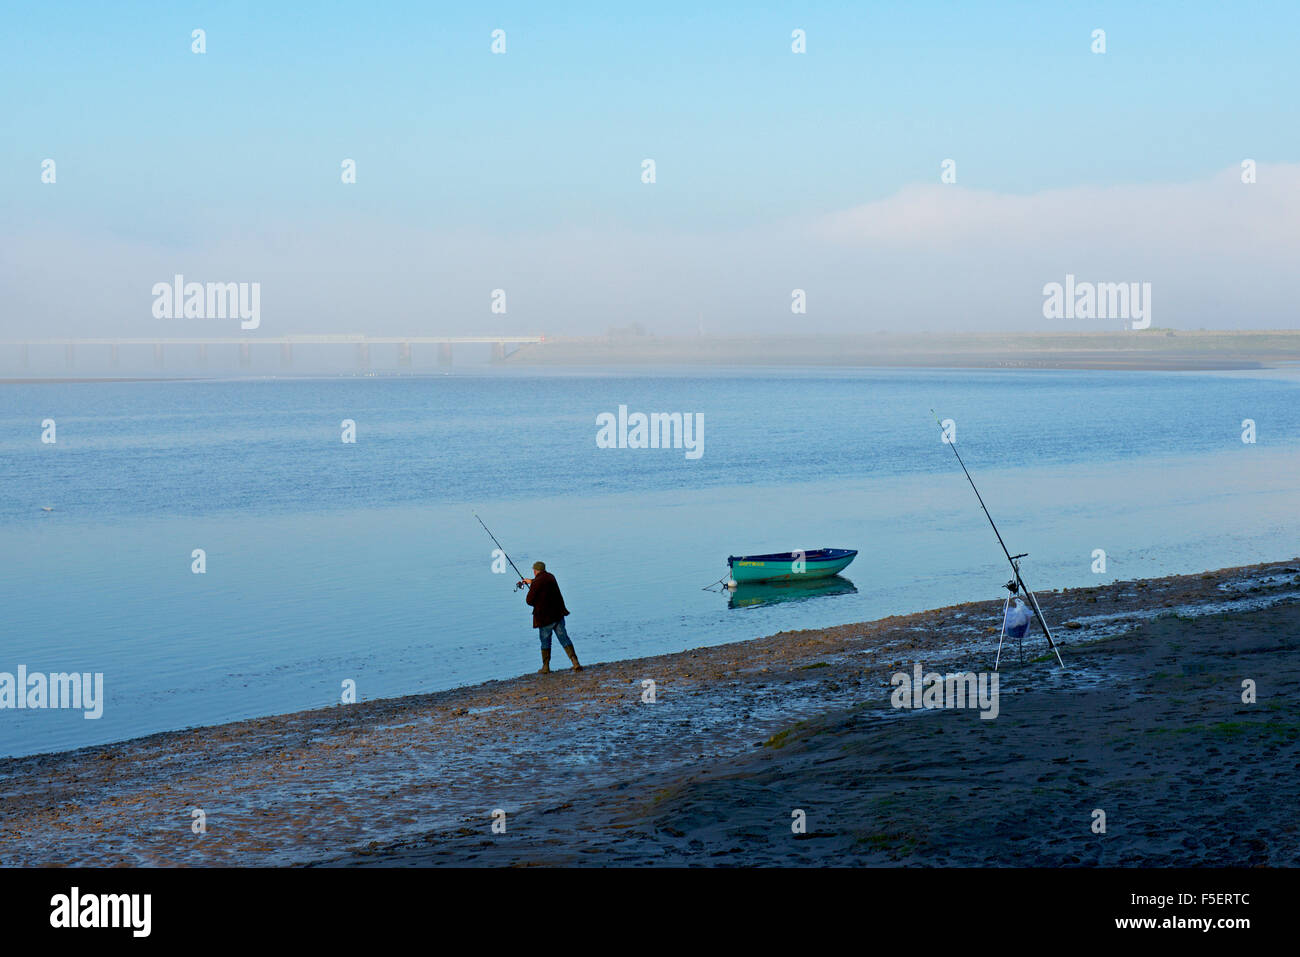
(523, 170)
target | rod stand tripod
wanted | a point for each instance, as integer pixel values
(1020, 641)
(1014, 586)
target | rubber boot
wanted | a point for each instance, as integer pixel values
(546, 663)
(573, 656)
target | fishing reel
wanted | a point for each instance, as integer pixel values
(1013, 586)
(519, 585)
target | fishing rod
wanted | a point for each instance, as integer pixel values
(503, 551)
(1015, 567)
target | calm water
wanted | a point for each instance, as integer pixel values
(329, 561)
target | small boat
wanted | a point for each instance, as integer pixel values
(788, 566)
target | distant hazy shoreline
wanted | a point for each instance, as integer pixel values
(1149, 350)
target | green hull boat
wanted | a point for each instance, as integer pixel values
(789, 566)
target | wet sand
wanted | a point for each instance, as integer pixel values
(1145, 723)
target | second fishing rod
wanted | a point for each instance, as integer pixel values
(1012, 559)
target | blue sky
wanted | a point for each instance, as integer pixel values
(161, 147)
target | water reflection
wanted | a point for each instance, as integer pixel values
(754, 594)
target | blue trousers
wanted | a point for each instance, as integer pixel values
(544, 633)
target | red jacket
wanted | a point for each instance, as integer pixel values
(544, 595)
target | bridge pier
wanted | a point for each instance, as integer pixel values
(70, 355)
(286, 354)
(498, 351)
(363, 355)
(203, 355)
(27, 358)
(245, 355)
(114, 359)
(159, 359)
(403, 353)
(444, 353)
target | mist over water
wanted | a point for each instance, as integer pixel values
(329, 561)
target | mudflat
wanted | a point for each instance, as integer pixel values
(1147, 729)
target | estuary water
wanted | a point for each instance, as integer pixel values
(328, 561)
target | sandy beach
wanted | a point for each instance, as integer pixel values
(1146, 723)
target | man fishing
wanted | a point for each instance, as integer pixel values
(548, 614)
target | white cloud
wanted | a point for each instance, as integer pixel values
(1214, 217)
